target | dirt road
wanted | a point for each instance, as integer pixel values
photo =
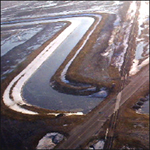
(84, 131)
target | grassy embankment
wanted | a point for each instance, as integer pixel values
(14, 119)
(18, 69)
(98, 64)
(132, 128)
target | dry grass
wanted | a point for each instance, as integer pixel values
(127, 116)
(20, 67)
(89, 58)
(98, 73)
(126, 132)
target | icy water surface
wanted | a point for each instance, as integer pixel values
(19, 41)
(37, 90)
(22, 40)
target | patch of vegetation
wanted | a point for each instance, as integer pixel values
(127, 140)
(99, 75)
(132, 128)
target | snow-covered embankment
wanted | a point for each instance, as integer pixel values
(12, 95)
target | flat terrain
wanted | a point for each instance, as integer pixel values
(83, 132)
(119, 43)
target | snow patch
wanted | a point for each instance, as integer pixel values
(100, 94)
(63, 74)
(22, 77)
(139, 53)
(50, 140)
(99, 144)
(136, 68)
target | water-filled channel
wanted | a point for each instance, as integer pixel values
(37, 90)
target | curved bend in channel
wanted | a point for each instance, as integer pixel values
(12, 96)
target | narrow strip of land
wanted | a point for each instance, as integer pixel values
(13, 94)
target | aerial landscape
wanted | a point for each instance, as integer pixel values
(74, 75)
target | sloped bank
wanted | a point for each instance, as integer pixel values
(103, 59)
(21, 67)
(13, 93)
(63, 80)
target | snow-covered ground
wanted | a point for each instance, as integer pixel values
(52, 8)
(50, 140)
(23, 40)
(64, 72)
(114, 43)
(98, 145)
(15, 86)
(109, 7)
(142, 48)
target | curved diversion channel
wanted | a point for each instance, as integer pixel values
(35, 77)
(82, 87)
